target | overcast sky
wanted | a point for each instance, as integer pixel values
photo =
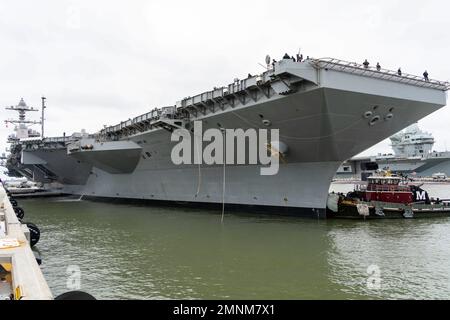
(101, 62)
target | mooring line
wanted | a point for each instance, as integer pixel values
(224, 181)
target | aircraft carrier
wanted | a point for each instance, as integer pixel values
(413, 157)
(327, 110)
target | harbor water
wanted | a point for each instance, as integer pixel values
(118, 251)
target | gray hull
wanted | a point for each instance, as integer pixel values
(415, 167)
(422, 167)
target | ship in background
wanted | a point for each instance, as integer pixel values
(326, 110)
(413, 157)
(22, 132)
(23, 136)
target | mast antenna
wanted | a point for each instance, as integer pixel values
(42, 117)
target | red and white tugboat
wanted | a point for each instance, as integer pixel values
(386, 196)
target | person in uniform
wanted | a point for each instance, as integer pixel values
(366, 64)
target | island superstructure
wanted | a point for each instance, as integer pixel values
(22, 132)
(413, 156)
(326, 110)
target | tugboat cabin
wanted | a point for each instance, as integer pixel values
(388, 189)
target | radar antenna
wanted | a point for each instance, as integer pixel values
(268, 61)
(42, 117)
(267, 66)
(22, 130)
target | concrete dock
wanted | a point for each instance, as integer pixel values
(20, 276)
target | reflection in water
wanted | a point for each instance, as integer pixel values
(137, 252)
(413, 257)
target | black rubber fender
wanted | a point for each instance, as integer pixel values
(35, 233)
(75, 295)
(37, 255)
(20, 213)
(13, 202)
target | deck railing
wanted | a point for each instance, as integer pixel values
(373, 72)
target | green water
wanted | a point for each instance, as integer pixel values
(138, 252)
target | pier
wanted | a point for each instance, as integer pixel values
(20, 275)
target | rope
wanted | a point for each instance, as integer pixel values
(199, 183)
(224, 180)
